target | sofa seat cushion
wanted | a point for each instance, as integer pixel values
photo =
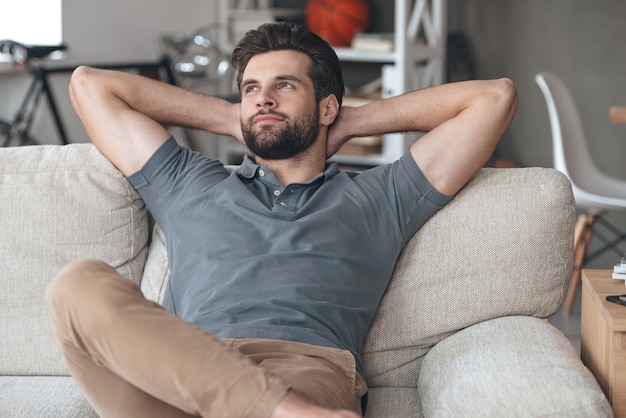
(42, 397)
(60, 204)
(510, 366)
(393, 403)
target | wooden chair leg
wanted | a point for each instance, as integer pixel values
(582, 237)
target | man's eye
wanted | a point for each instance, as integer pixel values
(250, 89)
(285, 85)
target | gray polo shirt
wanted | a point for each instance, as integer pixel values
(307, 262)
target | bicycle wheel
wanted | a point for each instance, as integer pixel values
(8, 140)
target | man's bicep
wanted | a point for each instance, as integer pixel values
(476, 114)
(448, 157)
(451, 153)
(129, 140)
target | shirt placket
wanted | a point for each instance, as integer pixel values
(286, 199)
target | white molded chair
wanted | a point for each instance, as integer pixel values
(594, 191)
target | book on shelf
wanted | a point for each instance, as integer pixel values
(619, 269)
(378, 42)
(619, 272)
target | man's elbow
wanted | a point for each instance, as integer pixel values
(76, 83)
(80, 83)
(504, 97)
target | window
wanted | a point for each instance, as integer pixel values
(31, 22)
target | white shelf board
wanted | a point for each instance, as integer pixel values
(418, 53)
(358, 55)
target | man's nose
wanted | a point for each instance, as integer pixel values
(265, 100)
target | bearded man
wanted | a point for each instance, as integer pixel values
(277, 268)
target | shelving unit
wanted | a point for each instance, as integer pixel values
(417, 61)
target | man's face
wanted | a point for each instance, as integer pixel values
(279, 114)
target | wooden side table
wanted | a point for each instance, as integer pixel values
(603, 335)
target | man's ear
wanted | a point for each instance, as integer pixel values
(329, 109)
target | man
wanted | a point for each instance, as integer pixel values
(277, 269)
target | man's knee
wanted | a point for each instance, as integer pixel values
(72, 283)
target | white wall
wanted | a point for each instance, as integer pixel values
(128, 29)
(107, 32)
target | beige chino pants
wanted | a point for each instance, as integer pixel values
(133, 358)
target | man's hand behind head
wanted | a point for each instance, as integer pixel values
(339, 132)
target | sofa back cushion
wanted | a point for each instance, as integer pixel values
(503, 246)
(59, 204)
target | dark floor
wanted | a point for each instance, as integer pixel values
(569, 324)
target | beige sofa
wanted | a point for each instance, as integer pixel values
(460, 332)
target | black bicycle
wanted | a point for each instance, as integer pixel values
(32, 58)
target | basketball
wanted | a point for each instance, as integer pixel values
(337, 21)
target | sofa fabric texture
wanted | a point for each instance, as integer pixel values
(459, 332)
(453, 381)
(477, 259)
(42, 397)
(58, 205)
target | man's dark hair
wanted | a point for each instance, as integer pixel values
(325, 70)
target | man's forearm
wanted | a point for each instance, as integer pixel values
(166, 104)
(420, 110)
(123, 114)
(426, 109)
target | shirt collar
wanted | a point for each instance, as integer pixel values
(249, 169)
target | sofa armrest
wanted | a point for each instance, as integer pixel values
(510, 366)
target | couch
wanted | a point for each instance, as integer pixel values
(463, 329)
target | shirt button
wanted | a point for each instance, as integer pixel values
(261, 172)
(276, 193)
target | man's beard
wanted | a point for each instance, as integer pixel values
(273, 143)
